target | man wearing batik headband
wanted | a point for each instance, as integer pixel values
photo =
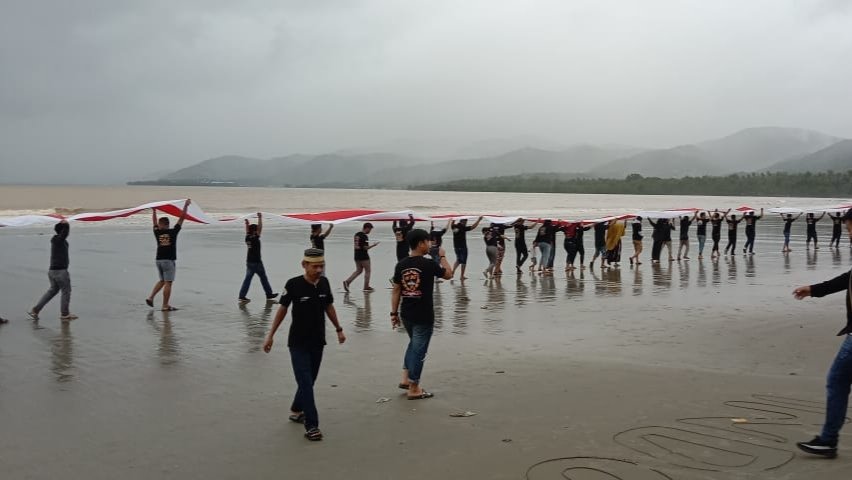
(311, 298)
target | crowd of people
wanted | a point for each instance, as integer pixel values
(421, 262)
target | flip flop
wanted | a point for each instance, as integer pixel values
(422, 396)
(297, 418)
(169, 309)
(149, 302)
(313, 435)
(403, 386)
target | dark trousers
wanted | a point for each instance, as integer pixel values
(521, 254)
(656, 248)
(253, 269)
(749, 245)
(306, 364)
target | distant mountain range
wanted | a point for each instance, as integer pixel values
(769, 149)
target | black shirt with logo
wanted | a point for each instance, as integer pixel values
(701, 230)
(253, 244)
(167, 242)
(309, 303)
(416, 278)
(361, 243)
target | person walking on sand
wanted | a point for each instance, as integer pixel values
(613, 242)
(637, 241)
(716, 223)
(60, 279)
(578, 239)
(788, 226)
(459, 230)
(436, 238)
(685, 223)
(413, 308)
(500, 234)
(840, 373)
(362, 258)
(312, 300)
(254, 263)
(750, 230)
(166, 256)
(811, 222)
(569, 243)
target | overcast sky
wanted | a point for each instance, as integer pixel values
(102, 90)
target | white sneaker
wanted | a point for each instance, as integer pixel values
(33, 314)
(69, 317)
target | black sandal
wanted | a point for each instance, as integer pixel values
(313, 434)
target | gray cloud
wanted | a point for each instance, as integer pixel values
(101, 90)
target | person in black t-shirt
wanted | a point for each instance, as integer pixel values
(810, 223)
(521, 250)
(400, 230)
(362, 258)
(411, 305)
(58, 275)
(318, 236)
(254, 263)
(166, 256)
(836, 223)
(788, 224)
(716, 230)
(637, 241)
(600, 243)
(750, 230)
(460, 230)
(701, 233)
(436, 239)
(733, 223)
(685, 223)
(312, 300)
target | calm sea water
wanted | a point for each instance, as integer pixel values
(18, 200)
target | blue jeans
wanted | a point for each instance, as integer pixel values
(306, 364)
(702, 239)
(545, 253)
(251, 270)
(419, 335)
(837, 392)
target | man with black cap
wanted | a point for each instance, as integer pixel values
(310, 295)
(362, 258)
(840, 374)
(411, 306)
(60, 280)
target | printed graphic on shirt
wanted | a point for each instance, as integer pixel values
(164, 240)
(411, 283)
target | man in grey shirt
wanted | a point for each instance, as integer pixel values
(58, 275)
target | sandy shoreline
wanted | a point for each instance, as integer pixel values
(127, 392)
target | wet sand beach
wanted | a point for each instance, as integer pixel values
(630, 374)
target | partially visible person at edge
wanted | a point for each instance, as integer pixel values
(166, 256)
(254, 262)
(362, 248)
(400, 230)
(751, 230)
(312, 300)
(413, 308)
(600, 243)
(459, 230)
(810, 230)
(840, 374)
(637, 241)
(685, 223)
(788, 226)
(521, 250)
(57, 274)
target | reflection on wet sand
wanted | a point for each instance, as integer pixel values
(168, 348)
(661, 276)
(62, 354)
(256, 325)
(460, 309)
(684, 274)
(702, 274)
(495, 297)
(811, 259)
(363, 313)
(732, 268)
(637, 281)
(574, 286)
(751, 271)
